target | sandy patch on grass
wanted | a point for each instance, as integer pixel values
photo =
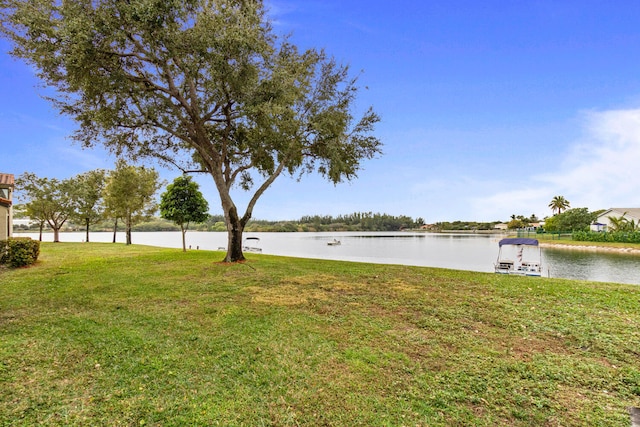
(299, 290)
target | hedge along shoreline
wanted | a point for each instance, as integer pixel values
(604, 236)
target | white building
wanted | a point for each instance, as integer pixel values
(603, 222)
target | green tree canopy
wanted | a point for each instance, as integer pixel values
(29, 190)
(577, 219)
(204, 85)
(47, 200)
(515, 224)
(183, 203)
(129, 194)
(87, 198)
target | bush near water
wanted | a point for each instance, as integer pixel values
(617, 236)
(19, 252)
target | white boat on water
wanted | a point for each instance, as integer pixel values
(251, 244)
(333, 242)
(519, 256)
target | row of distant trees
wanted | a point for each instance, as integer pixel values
(361, 221)
(309, 223)
(358, 221)
(126, 194)
(463, 225)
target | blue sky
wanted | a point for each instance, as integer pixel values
(488, 109)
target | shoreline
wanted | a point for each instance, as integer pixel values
(591, 248)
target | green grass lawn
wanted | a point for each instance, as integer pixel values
(107, 334)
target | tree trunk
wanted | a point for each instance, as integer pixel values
(236, 224)
(184, 243)
(115, 229)
(235, 228)
(87, 223)
(128, 229)
(41, 227)
(56, 235)
(234, 244)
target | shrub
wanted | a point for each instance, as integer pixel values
(616, 236)
(18, 252)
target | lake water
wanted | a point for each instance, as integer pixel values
(473, 252)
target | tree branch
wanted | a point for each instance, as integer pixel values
(249, 211)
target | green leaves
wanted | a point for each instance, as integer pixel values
(197, 83)
(559, 203)
(183, 202)
(47, 199)
(577, 219)
(129, 194)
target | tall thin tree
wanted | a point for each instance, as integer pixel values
(558, 204)
(87, 198)
(129, 194)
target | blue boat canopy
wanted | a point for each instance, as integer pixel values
(518, 241)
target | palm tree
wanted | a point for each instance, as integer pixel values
(558, 203)
(622, 224)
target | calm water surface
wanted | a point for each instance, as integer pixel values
(454, 251)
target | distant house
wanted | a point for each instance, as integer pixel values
(501, 226)
(429, 227)
(603, 222)
(6, 200)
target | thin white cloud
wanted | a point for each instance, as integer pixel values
(18, 122)
(279, 10)
(362, 28)
(517, 201)
(599, 171)
(84, 159)
(603, 169)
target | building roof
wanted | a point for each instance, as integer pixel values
(633, 213)
(6, 180)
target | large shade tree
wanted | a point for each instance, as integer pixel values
(204, 85)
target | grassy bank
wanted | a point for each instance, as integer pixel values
(566, 242)
(104, 334)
